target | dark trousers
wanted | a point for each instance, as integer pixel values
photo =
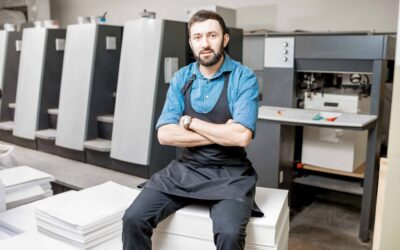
(229, 218)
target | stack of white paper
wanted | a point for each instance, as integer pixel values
(24, 184)
(88, 219)
(191, 227)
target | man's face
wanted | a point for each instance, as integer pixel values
(207, 42)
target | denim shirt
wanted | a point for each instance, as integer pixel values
(242, 93)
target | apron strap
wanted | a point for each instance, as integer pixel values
(188, 84)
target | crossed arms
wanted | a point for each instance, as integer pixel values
(204, 133)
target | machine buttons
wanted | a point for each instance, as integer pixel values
(279, 52)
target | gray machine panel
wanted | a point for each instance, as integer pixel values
(235, 46)
(3, 49)
(10, 75)
(75, 86)
(105, 77)
(29, 82)
(339, 47)
(137, 86)
(51, 80)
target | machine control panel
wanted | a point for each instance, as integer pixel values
(280, 52)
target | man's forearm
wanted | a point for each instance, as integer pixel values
(175, 135)
(229, 134)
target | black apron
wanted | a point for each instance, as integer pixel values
(211, 172)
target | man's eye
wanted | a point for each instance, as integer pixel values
(213, 35)
(196, 38)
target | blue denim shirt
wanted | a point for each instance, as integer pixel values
(242, 93)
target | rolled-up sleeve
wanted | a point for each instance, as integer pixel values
(173, 107)
(245, 107)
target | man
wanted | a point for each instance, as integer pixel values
(210, 112)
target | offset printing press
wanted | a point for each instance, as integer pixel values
(340, 79)
(88, 84)
(38, 81)
(151, 55)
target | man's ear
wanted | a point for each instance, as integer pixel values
(226, 40)
(190, 44)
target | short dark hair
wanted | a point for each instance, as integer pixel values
(203, 15)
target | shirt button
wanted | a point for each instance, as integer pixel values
(206, 96)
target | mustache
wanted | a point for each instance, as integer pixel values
(206, 50)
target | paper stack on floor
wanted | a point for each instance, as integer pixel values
(88, 219)
(24, 184)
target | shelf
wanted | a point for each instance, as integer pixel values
(345, 186)
(52, 111)
(304, 117)
(7, 126)
(106, 118)
(46, 134)
(358, 172)
(98, 144)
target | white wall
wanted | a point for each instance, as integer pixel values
(387, 237)
(285, 15)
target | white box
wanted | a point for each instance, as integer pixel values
(336, 149)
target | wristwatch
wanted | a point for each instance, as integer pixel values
(187, 120)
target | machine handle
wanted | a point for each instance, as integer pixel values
(331, 104)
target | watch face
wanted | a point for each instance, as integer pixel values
(186, 121)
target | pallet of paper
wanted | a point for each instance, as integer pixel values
(24, 184)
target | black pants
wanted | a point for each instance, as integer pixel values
(229, 218)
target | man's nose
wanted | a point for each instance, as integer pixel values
(204, 42)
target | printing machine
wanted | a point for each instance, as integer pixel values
(87, 93)
(10, 47)
(300, 71)
(151, 54)
(38, 81)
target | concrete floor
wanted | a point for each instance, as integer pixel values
(330, 222)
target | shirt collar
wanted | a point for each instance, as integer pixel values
(227, 66)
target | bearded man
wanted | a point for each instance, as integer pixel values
(210, 112)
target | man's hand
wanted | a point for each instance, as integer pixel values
(177, 135)
(228, 134)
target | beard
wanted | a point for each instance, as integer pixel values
(216, 56)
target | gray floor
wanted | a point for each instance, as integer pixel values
(330, 222)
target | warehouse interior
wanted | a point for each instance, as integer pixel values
(84, 88)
